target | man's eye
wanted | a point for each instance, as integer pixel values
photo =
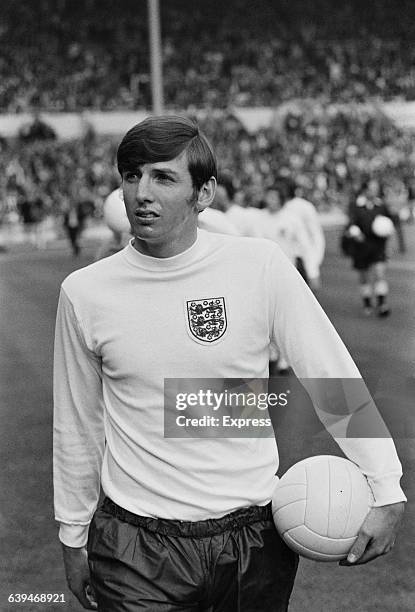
(131, 177)
(163, 178)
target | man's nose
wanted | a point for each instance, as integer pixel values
(144, 189)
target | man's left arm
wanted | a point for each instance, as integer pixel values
(316, 353)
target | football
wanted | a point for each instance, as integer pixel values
(114, 213)
(382, 226)
(319, 505)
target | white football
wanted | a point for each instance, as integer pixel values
(319, 505)
(114, 213)
(382, 226)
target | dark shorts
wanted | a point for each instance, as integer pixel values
(368, 253)
(237, 563)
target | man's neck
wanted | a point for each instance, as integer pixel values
(165, 249)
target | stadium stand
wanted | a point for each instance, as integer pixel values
(329, 151)
(71, 55)
(320, 62)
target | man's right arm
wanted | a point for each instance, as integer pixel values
(78, 576)
(78, 436)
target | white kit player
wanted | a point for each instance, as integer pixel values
(186, 524)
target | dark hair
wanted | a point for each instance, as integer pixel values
(163, 138)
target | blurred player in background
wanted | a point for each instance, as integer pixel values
(73, 222)
(305, 211)
(287, 229)
(30, 206)
(77, 208)
(247, 220)
(370, 226)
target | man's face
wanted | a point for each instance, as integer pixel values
(161, 206)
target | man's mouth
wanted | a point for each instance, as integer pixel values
(145, 213)
(145, 216)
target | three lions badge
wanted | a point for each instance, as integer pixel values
(207, 319)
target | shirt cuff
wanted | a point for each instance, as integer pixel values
(387, 490)
(75, 536)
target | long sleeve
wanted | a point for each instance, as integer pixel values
(315, 351)
(78, 431)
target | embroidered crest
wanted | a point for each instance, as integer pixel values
(207, 318)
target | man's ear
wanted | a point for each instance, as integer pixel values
(206, 194)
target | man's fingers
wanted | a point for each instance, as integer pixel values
(372, 551)
(357, 550)
(85, 596)
(90, 594)
(358, 547)
(85, 602)
(377, 534)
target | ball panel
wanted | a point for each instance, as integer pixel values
(296, 473)
(311, 553)
(322, 544)
(318, 496)
(340, 504)
(290, 515)
(288, 493)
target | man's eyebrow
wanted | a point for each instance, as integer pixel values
(165, 171)
(161, 170)
(131, 169)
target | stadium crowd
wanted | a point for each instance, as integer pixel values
(76, 55)
(44, 178)
(328, 151)
(71, 55)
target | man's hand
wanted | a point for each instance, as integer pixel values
(377, 534)
(78, 577)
